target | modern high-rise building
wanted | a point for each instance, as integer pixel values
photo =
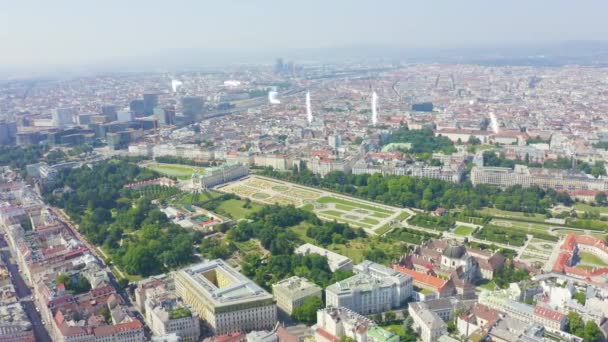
(375, 288)
(63, 117)
(137, 107)
(278, 66)
(192, 108)
(164, 116)
(226, 299)
(124, 116)
(8, 132)
(334, 141)
(150, 102)
(110, 111)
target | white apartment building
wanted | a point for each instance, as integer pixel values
(568, 180)
(334, 323)
(335, 260)
(427, 323)
(291, 293)
(172, 317)
(375, 288)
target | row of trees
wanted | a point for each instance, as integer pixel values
(183, 161)
(429, 194)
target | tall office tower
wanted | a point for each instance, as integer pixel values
(124, 116)
(192, 108)
(110, 111)
(63, 117)
(164, 116)
(278, 66)
(8, 132)
(137, 107)
(335, 141)
(290, 67)
(150, 102)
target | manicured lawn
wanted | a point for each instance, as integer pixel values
(514, 214)
(397, 329)
(175, 170)
(300, 230)
(235, 208)
(324, 216)
(403, 216)
(463, 231)
(589, 208)
(385, 228)
(355, 249)
(578, 232)
(328, 199)
(488, 285)
(523, 226)
(332, 213)
(589, 258)
(369, 220)
(198, 197)
(129, 277)
(308, 207)
(248, 247)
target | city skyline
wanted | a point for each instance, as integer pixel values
(69, 32)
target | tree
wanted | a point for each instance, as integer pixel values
(601, 198)
(575, 324)
(307, 312)
(376, 318)
(390, 316)
(592, 332)
(473, 140)
(580, 297)
(63, 278)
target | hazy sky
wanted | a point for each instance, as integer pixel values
(42, 32)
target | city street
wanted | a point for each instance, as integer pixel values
(24, 294)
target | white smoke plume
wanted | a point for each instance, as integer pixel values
(374, 108)
(272, 97)
(494, 123)
(308, 108)
(175, 84)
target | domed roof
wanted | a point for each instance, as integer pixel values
(454, 252)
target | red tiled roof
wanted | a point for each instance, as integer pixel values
(326, 335)
(548, 313)
(562, 259)
(421, 278)
(108, 330)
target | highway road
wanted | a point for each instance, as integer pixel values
(24, 294)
